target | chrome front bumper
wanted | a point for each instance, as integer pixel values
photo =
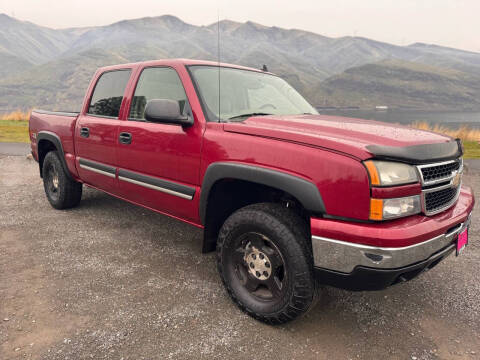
(344, 256)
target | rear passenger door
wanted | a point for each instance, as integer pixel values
(159, 164)
(96, 131)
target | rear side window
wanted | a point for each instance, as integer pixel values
(108, 93)
(157, 83)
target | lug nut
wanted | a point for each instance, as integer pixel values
(267, 264)
(258, 274)
(254, 256)
(251, 265)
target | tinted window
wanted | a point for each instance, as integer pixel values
(108, 94)
(157, 83)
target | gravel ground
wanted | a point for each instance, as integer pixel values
(109, 280)
(13, 148)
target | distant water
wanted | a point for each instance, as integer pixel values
(450, 119)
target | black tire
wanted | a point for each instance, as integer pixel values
(281, 291)
(61, 191)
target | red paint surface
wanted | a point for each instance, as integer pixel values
(345, 135)
(396, 191)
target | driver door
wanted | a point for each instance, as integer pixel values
(159, 163)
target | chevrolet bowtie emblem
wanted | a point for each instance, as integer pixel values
(456, 179)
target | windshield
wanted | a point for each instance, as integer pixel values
(246, 93)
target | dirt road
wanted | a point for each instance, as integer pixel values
(109, 280)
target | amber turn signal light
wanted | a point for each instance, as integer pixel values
(376, 209)
(372, 171)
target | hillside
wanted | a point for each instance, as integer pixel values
(32, 43)
(397, 83)
(51, 68)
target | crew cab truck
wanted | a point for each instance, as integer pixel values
(290, 199)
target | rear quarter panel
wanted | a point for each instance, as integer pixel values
(60, 125)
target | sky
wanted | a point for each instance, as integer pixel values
(451, 23)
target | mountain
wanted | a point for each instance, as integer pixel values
(57, 85)
(398, 83)
(32, 43)
(50, 68)
(447, 57)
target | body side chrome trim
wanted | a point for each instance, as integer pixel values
(343, 256)
(158, 188)
(97, 167)
(159, 184)
(86, 167)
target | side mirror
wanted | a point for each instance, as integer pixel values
(166, 111)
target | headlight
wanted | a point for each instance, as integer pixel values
(387, 173)
(384, 209)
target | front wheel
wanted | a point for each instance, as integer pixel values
(265, 262)
(61, 191)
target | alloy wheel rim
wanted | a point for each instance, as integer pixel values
(259, 266)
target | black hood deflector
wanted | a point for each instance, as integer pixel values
(418, 154)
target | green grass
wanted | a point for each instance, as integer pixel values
(14, 131)
(472, 149)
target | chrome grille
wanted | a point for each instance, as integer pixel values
(441, 183)
(436, 200)
(440, 171)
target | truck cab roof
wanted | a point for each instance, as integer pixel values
(176, 62)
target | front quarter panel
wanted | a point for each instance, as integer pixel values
(342, 180)
(344, 185)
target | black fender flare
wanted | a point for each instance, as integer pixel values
(53, 138)
(303, 190)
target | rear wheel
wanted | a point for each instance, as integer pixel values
(266, 263)
(61, 191)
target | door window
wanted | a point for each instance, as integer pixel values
(157, 83)
(108, 93)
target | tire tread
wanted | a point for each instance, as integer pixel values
(71, 190)
(304, 294)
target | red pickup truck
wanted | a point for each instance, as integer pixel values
(290, 199)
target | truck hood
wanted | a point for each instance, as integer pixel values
(360, 138)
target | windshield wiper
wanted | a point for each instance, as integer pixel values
(249, 114)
